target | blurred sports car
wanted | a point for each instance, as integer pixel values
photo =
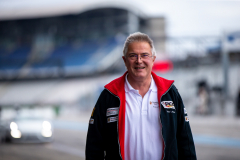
(28, 129)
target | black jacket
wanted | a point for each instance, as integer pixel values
(105, 138)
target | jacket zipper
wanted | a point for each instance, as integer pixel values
(161, 121)
(117, 122)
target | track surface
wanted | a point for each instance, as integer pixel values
(216, 138)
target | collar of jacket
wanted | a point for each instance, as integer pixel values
(116, 87)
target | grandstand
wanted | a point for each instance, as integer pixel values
(69, 45)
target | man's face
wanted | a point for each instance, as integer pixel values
(139, 68)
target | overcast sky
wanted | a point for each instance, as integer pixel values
(183, 18)
(198, 17)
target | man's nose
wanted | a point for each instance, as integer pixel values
(139, 58)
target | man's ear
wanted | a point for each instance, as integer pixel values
(124, 59)
(154, 59)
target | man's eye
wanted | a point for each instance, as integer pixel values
(145, 55)
(132, 55)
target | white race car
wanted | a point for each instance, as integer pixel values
(28, 130)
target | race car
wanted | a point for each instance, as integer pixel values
(27, 130)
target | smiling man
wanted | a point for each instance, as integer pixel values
(139, 116)
(139, 59)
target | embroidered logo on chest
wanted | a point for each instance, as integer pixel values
(168, 104)
(154, 104)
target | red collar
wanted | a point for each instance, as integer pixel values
(117, 85)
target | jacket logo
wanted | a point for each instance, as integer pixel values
(112, 119)
(112, 111)
(186, 119)
(185, 111)
(91, 121)
(168, 104)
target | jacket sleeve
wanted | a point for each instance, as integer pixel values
(95, 140)
(185, 143)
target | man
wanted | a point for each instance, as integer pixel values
(139, 116)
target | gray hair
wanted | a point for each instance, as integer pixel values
(138, 37)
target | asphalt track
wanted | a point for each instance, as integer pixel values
(216, 138)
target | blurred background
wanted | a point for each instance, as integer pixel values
(56, 56)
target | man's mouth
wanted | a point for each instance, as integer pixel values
(139, 67)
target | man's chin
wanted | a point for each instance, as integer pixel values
(140, 75)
